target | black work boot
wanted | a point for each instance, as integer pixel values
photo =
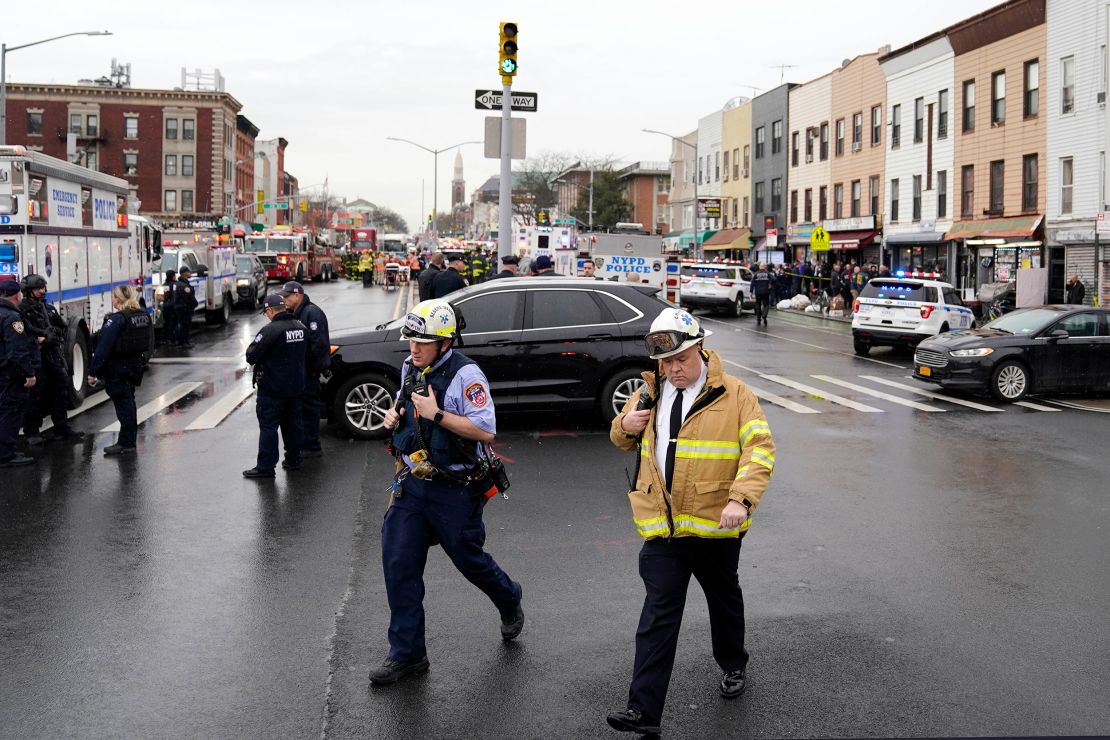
(632, 720)
(392, 671)
(733, 684)
(512, 626)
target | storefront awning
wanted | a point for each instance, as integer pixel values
(761, 244)
(916, 237)
(728, 239)
(995, 228)
(677, 240)
(851, 239)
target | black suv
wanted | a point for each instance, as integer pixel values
(543, 343)
(251, 286)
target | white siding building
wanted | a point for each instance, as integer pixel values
(809, 151)
(1077, 140)
(709, 159)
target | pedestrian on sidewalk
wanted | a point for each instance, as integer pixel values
(1076, 291)
(126, 341)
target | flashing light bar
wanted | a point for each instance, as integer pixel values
(904, 274)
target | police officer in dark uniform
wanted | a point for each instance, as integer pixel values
(51, 391)
(18, 360)
(510, 264)
(184, 304)
(762, 283)
(317, 361)
(122, 350)
(169, 315)
(451, 279)
(278, 355)
(428, 275)
(444, 421)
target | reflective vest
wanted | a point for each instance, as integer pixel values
(442, 446)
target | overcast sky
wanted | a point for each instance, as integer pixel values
(335, 78)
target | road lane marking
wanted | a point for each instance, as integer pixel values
(149, 409)
(818, 393)
(930, 394)
(877, 394)
(1034, 406)
(90, 401)
(198, 360)
(807, 344)
(220, 410)
(1078, 406)
(780, 401)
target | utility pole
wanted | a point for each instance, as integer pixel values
(507, 67)
(591, 199)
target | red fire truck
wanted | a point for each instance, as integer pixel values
(292, 255)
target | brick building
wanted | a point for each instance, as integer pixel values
(646, 185)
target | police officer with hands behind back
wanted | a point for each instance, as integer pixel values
(122, 351)
(278, 355)
(448, 281)
(184, 304)
(19, 358)
(317, 359)
(442, 423)
(51, 391)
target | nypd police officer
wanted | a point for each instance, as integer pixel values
(51, 391)
(445, 418)
(448, 281)
(18, 360)
(184, 304)
(122, 351)
(278, 356)
(317, 361)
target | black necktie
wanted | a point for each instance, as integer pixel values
(676, 425)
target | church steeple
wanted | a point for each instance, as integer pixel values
(458, 184)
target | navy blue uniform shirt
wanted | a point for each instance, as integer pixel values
(319, 339)
(280, 350)
(21, 353)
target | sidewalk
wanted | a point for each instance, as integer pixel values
(816, 316)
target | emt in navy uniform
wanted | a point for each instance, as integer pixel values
(278, 355)
(445, 420)
(122, 351)
(317, 359)
(19, 358)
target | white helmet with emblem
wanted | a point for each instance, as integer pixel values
(673, 331)
(431, 321)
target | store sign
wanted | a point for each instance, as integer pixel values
(1102, 224)
(859, 223)
(709, 207)
(1077, 236)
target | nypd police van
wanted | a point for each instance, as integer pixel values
(901, 311)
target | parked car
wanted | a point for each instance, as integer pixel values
(718, 286)
(1048, 349)
(251, 285)
(543, 343)
(900, 312)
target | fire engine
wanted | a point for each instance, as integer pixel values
(292, 255)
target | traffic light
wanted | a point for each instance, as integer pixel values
(542, 218)
(304, 205)
(508, 64)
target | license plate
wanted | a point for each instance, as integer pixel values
(888, 314)
(926, 371)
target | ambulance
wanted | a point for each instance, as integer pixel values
(213, 272)
(71, 225)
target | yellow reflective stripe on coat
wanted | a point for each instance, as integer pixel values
(755, 427)
(708, 449)
(645, 451)
(763, 457)
(696, 525)
(648, 527)
(742, 472)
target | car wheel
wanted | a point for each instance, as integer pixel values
(1010, 381)
(944, 328)
(617, 391)
(265, 293)
(361, 403)
(862, 348)
(78, 354)
(738, 306)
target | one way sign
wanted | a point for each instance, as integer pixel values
(525, 102)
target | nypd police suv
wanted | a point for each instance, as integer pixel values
(903, 310)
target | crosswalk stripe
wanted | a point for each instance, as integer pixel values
(1034, 406)
(220, 410)
(151, 408)
(90, 401)
(779, 400)
(822, 394)
(198, 361)
(877, 394)
(930, 394)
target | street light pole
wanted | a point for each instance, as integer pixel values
(435, 173)
(697, 254)
(4, 49)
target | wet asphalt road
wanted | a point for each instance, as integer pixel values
(909, 573)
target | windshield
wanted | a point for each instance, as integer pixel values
(168, 261)
(897, 290)
(244, 265)
(270, 244)
(393, 246)
(710, 273)
(1024, 321)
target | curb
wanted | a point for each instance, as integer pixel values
(814, 316)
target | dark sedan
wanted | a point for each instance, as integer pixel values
(543, 343)
(1048, 349)
(251, 287)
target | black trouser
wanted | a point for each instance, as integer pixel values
(122, 393)
(762, 305)
(310, 412)
(184, 325)
(50, 394)
(276, 412)
(666, 567)
(13, 402)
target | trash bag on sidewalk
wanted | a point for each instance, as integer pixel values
(784, 305)
(799, 302)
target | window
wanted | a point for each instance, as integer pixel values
(838, 200)
(895, 126)
(759, 188)
(1101, 97)
(857, 131)
(1066, 180)
(811, 136)
(942, 114)
(170, 200)
(75, 123)
(998, 176)
(942, 194)
(823, 203)
(894, 199)
(809, 205)
(1031, 97)
(760, 139)
(876, 125)
(969, 106)
(747, 156)
(91, 126)
(967, 190)
(171, 164)
(736, 164)
(171, 129)
(186, 200)
(726, 165)
(131, 127)
(998, 98)
(918, 120)
(130, 163)
(776, 137)
(794, 149)
(188, 126)
(1102, 181)
(1067, 85)
(90, 160)
(952, 297)
(747, 211)
(793, 206)
(1029, 182)
(840, 137)
(824, 141)
(776, 194)
(34, 123)
(873, 193)
(857, 193)
(1079, 325)
(187, 165)
(491, 312)
(917, 198)
(559, 308)
(716, 167)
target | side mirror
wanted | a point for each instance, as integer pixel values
(1057, 334)
(202, 270)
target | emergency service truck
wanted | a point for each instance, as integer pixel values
(69, 224)
(212, 278)
(621, 255)
(293, 255)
